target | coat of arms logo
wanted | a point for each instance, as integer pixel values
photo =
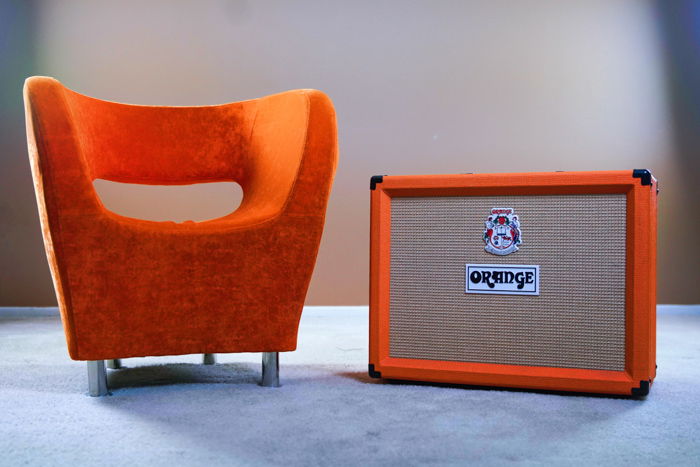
(502, 234)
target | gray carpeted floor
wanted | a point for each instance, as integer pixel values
(173, 411)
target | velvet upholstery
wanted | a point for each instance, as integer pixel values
(130, 287)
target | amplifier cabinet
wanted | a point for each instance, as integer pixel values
(535, 280)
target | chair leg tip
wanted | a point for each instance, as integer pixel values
(267, 385)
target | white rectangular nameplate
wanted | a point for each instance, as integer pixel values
(508, 279)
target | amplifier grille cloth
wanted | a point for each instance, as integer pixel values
(577, 321)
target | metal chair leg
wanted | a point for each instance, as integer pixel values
(209, 359)
(97, 378)
(270, 369)
(115, 364)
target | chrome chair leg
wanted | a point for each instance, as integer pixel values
(270, 369)
(97, 378)
(115, 364)
(209, 359)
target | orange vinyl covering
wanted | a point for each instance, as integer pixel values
(129, 287)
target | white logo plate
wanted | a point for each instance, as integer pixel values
(507, 279)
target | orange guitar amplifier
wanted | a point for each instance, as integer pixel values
(535, 280)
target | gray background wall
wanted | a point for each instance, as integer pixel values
(419, 87)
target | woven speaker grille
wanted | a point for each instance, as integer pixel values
(577, 321)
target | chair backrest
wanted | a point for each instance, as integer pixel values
(281, 149)
(160, 145)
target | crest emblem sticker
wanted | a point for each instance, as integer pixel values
(502, 234)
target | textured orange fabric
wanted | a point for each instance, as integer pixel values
(129, 287)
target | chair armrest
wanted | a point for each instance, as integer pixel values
(61, 174)
(318, 164)
(293, 152)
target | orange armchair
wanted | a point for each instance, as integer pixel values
(129, 287)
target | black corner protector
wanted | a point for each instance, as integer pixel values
(642, 390)
(372, 373)
(644, 174)
(374, 180)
